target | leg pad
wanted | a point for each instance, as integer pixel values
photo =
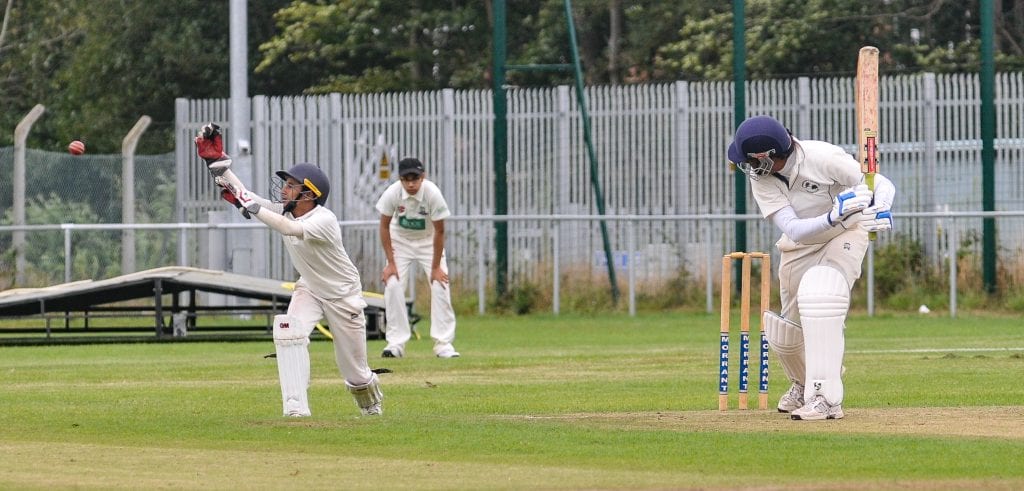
(787, 340)
(368, 396)
(824, 300)
(292, 366)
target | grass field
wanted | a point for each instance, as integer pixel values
(569, 402)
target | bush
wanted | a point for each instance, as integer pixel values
(899, 265)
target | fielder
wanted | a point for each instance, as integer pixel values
(412, 213)
(328, 288)
(815, 194)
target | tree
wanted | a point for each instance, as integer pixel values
(35, 44)
(821, 37)
(379, 45)
(617, 40)
(99, 65)
(389, 45)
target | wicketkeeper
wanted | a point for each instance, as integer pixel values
(328, 288)
(815, 194)
(412, 213)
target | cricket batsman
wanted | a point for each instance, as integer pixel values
(328, 287)
(814, 192)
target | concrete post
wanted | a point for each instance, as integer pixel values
(18, 239)
(128, 144)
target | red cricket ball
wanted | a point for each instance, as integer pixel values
(76, 147)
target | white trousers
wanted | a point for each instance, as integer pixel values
(823, 339)
(845, 252)
(442, 316)
(347, 321)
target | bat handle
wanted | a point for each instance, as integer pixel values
(869, 179)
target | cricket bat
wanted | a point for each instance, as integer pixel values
(866, 97)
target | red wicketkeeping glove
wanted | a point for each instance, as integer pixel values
(210, 148)
(228, 196)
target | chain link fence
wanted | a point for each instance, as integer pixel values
(86, 189)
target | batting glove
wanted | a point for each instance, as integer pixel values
(877, 220)
(848, 202)
(210, 148)
(878, 216)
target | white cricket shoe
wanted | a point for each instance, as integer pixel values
(817, 410)
(446, 351)
(294, 409)
(393, 351)
(793, 399)
(374, 410)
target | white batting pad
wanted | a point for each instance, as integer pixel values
(292, 365)
(787, 340)
(824, 300)
(368, 394)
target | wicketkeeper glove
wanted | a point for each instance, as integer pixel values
(848, 202)
(241, 198)
(228, 196)
(245, 198)
(210, 148)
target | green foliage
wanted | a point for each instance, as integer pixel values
(821, 37)
(523, 297)
(777, 38)
(906, 278)
(700, 53)
(682, 290)
(610, 52)
(99, 65)
(96, 254)
(900, 264)
(1015, 300)
(379, 45)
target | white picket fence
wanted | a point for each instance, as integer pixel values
(660, 151)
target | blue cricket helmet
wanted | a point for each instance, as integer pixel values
(756, 138)
(311, 177)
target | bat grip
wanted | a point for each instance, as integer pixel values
(869, 179)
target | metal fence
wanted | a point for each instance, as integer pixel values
(638, 261)
(660, 150)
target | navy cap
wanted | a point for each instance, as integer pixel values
(410, 166)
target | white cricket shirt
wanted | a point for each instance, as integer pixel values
(815, 173)
(320, 257)
(412, 214)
